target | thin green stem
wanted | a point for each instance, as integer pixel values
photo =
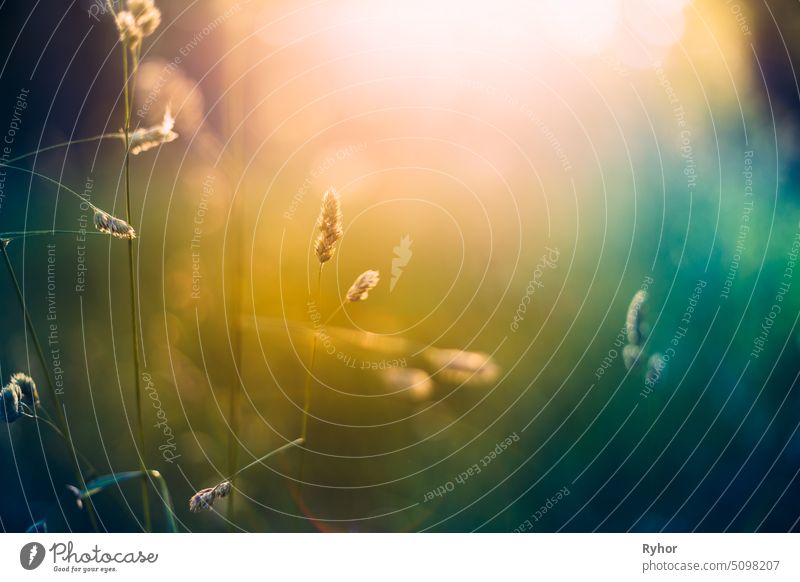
(117, 135)
(307, 390)
(14, 235)
(233, 445)
(296, 442)
(51, 180)
(332, 315)
(62, 420)
(46, 420)
(309, 372)
(233, 111)
(134, 303)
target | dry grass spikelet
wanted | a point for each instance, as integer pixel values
(365, 283)
(147, 16)
(27, 388)
(329, 224)
(139, 20)
(144, 139)
(223, 489)
(112, 225)
(129, 32)
(204, 499)
(11, 402)
(633, 319)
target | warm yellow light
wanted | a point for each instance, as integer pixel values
(452, 31)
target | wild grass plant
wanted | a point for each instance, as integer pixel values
(139, 19)
(136, 20)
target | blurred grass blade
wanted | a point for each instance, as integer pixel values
(169, 513)
(95, 486)
(38, 527)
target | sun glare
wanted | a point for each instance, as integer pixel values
(451, 32)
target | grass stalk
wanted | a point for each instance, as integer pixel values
(233, 447)
(46, 419)
(309, 372)
(14, 235)
(65, 144)
(235, 74)
(51, 389)
(100, 484)
(296, 442)
(204, 499)
(52, 181)
(148, 526)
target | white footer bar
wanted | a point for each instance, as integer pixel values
(406, 557)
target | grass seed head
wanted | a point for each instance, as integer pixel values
(112, 225)
(129, 32)
(203, 500)
(27, 388)
(144, 139)
(139, 20)
(11, 398)
(223, 489)
(365, 283)
(329, 224)
(147, 16)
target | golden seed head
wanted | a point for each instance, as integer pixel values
(129, 32)
(139, 20)
(149, 22)
(147, 16)
(145, 139)
(27, 387)
(10, 403)
(365, 283)
(329, 224)
(108, 224)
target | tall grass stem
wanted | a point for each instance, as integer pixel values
(65, 144)
(148, 526)
(51, 389)
(258, 461)
(309, 372)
